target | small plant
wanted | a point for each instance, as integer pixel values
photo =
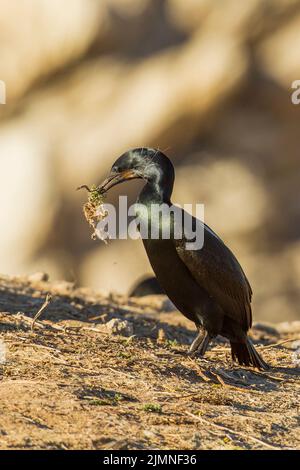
(106, 400)
(98, 402)
(118, 397)
(152, 408)
(172, 343)
(125, 355)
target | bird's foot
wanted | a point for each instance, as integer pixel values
(190, 353)
(200, 344)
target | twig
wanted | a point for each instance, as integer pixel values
(96, 330)
(34, 345)
(122, 373)
(234, 384)
(278, 344)
(43, 307)
(27, 320)
(260, 346)
(56, 327)
(219, 379)
(202, 375)
(266, 375)
(237, 433)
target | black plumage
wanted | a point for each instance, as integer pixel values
(208, 285)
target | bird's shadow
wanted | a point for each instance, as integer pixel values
(293, 371)
(102, 396)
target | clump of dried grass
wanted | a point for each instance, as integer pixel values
(94, 211)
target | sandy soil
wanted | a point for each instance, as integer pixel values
(70, 383)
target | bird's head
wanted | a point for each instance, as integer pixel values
(148, 164)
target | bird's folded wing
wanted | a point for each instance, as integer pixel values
(215, 268)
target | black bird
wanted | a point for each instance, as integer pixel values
(208, 285)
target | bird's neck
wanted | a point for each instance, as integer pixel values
(158, 188)
(155, 193)
(151, 201)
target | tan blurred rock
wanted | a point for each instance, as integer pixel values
(129, 7)
(275, 283)
(292, 261)
(115, 267)
(38, 277)
(37, 38)
(80, 119)
(250, 20)
(201, 93)
(152, 101)
(188, 15)
(27, 195)
(235, 202)
(278, 55)
(276, 308)
(244, 20)
(289, 327)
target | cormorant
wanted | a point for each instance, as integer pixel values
(207, 285)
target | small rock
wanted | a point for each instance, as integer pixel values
(61, 287)
(264, 327)
(39, 277)
(296, 345)
(289, 327)
(149, 434)
(119, 327)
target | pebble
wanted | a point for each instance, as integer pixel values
(38, 277)
(119, 327)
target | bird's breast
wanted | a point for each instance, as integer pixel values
(176, 280)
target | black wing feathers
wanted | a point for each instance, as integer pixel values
(216, 269)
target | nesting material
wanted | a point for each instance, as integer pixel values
(95, 212)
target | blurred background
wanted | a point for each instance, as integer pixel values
(208, 82)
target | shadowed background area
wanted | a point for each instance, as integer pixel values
(208, 82)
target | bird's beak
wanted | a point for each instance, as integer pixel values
(116, 178)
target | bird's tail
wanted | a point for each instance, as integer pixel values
(246, 355)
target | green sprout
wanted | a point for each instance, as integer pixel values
(172, 343)
(152, 408)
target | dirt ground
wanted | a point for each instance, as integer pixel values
(71, 384)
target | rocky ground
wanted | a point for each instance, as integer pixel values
(98, 372)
